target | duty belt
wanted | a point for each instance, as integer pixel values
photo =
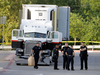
(69, 55)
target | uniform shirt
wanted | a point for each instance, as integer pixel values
(83, 52)
(65, 49)
(70, 51)
(56, 52)
(36, 50)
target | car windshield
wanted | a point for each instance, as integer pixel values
(35, 35)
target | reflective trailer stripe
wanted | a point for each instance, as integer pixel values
(14, 40)
(56, 42)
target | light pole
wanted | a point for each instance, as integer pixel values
(3, 21)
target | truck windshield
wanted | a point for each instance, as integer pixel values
(35, 35)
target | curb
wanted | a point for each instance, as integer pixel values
(95, 51)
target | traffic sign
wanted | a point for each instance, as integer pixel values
(3, 20)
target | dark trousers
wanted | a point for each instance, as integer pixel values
(56, 63)
(42, 59)
(84, 59)
(70, 60)
(36, 60)
(64, 62)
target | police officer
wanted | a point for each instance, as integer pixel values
(64, 55)
(83, 56)
(55, 57)
(36, 50)
(70, 54)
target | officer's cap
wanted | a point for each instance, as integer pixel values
(57, 45)
(37, 43)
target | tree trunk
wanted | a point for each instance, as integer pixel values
(75, 40)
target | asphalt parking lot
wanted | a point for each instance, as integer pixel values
(10, 68)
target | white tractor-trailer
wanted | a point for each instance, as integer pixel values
(46, 24)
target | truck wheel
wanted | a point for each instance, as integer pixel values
(50, 61)
(18, 64)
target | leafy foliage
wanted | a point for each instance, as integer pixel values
(84, 20)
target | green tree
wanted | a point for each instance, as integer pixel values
(77, 25)
(84, 20)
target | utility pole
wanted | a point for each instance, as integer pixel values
(3, 35)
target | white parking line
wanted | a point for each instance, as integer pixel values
(39, 74)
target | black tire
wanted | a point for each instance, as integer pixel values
(18, 64)
(50, 61)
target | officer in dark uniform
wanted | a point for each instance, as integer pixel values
(83, 56)
(64, 55)
(55, 57)
(70, 54)
(35, 51)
